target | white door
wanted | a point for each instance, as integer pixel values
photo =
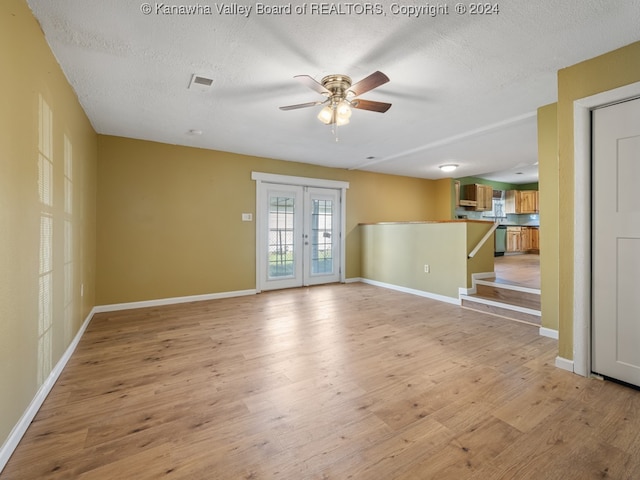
(322, 236)
(616, 242)
(299, 241)
(281, 242)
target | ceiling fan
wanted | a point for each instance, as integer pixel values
(341, 96)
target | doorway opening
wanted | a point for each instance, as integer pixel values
(582, 271)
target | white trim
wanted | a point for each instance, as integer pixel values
(582, 107)
(506, 286)
(412, 291)
(505, 306)
(343, 232)
(565, 364)
(258, 234)
(482, 275)
(171, 301)
(353, 280)
(467, 291)
(20, 428)
(548, 332)
(475, 277)
(301, 181)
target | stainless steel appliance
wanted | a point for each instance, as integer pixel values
(501, 241)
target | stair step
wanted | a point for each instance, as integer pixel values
(510, 301)
(503, 309)
(511, 294)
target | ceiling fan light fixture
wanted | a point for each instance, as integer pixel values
(340, 121)
(326, 115)
(449, 167)
(339, 90)
(343, 110)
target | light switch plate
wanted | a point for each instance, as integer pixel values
(247, 217)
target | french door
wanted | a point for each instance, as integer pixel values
(299, 236)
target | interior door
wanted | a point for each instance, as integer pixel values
(616, 242)
(300, 238)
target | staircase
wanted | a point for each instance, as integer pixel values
(510, 301)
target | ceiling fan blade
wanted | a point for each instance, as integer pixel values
(369, 83)
(301, 105)
(312, 84)
(370, 105)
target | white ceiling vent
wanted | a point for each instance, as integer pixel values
(200, 83)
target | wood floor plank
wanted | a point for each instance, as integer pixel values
(330, 382)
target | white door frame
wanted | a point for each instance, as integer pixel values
(582, 107)
(269, 178)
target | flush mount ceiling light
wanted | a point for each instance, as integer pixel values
(341, 95)
(449, 167)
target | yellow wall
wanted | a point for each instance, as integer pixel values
(169, 217)
(396, 254)
(483, 261)
(606, 72)
(548, 187)
(36, 329)
(445, 199)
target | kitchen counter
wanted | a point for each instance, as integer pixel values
(520, 225)
(457, 220)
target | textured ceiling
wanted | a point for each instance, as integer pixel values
(464, 88)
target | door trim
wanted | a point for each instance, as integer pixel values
(262, 178)
(582, 222)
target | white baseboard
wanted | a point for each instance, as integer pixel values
(21, 427)
(353, 280)
(564, 364)
(467, 291)
(172, 301)
(474, 279)
(549, 332)
(482, 275)
(412, 291)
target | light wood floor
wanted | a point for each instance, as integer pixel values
(333, 382)
(523, 270)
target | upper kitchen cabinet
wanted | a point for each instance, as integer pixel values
(521, 201)
(482, 195)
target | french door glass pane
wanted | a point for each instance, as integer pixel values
(321, 237)
(281, 237)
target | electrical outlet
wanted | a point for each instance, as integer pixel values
(247, 217)
(427, 269)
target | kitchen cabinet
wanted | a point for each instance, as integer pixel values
(521, 201)
(523, 239)
(481, 194)
(534, 240)
(529, 201)
(514, 239)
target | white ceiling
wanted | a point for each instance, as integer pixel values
(464, 88)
